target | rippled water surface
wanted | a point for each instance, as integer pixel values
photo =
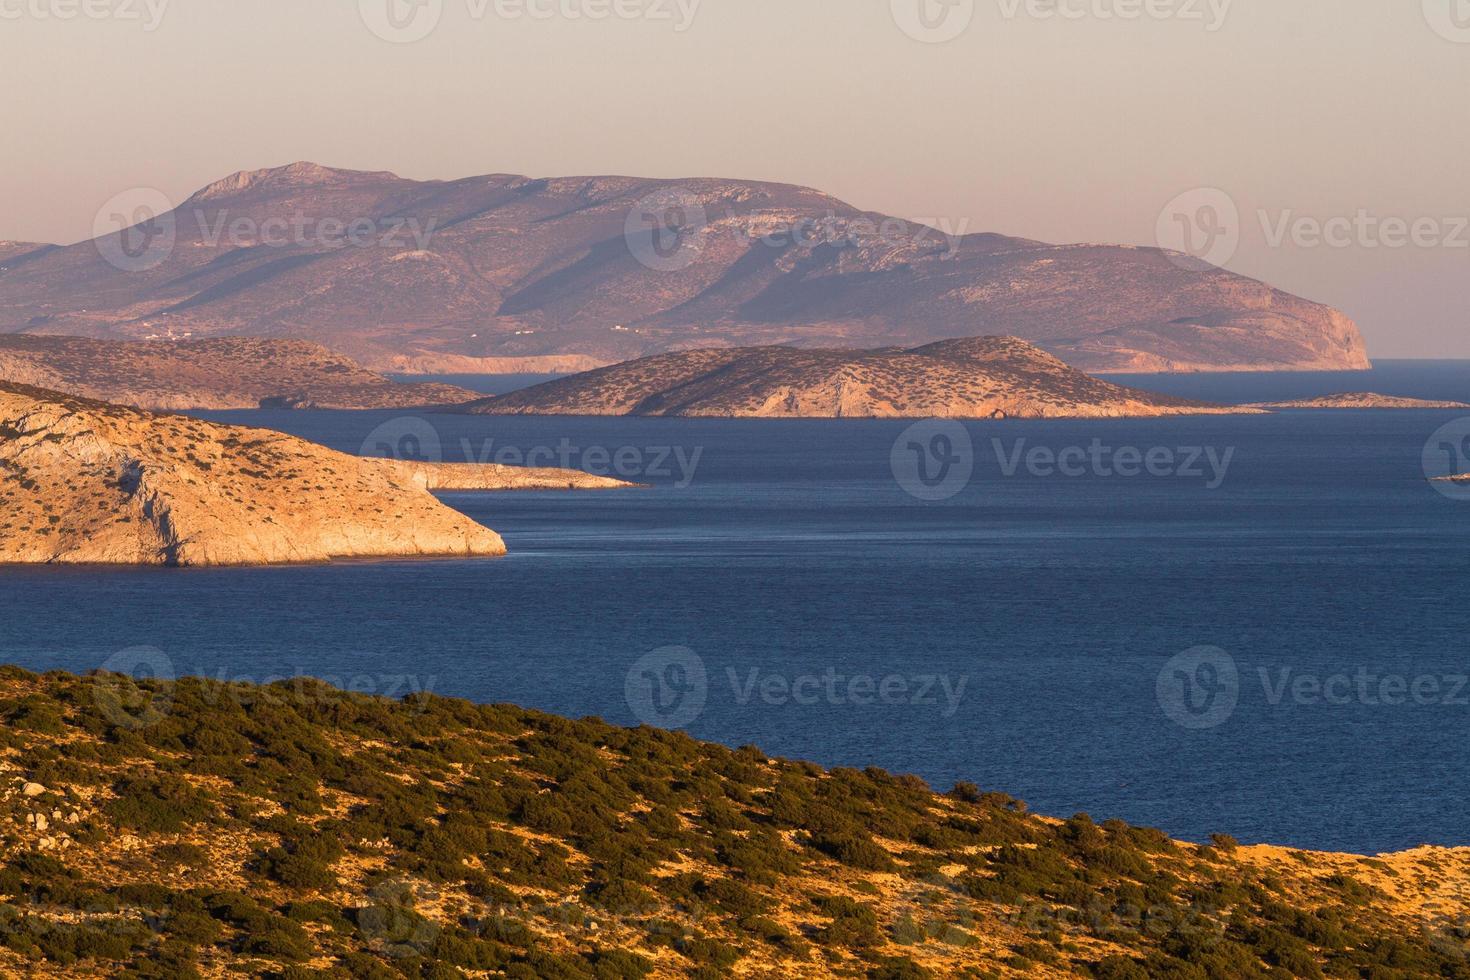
(1019, 629)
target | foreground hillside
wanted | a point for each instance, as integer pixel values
(187, 829)
(224, 373)
(88, 482)
(981, 377)
(506, 273)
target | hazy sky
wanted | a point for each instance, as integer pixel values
(1064, 120)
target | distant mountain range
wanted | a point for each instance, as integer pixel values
(508, 273)
(980, 377)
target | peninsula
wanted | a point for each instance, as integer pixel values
(1360, 399)
(86, 482)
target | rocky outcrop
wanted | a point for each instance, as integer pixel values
(87, 482)
(1361, 399)
(981, 377)
(225, 373)
(506, 273)
(448, 477)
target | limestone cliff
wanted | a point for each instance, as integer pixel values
(88, 482)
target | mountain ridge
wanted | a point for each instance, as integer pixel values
(964, 378)
(602, 269)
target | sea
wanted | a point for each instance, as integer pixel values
(1256, 625)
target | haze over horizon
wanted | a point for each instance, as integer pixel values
(1066, 126)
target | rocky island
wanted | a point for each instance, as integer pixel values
(506, 273)
(223, 373)
(975, 378)
(89, 482)
(1360, 399)
(192, 828)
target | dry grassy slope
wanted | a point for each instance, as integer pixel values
(88, 482)
(981, 377)
(224, 373)
(199, 829)
(506, 273)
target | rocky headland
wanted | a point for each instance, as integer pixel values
(86, 482)
(975, 378)
(223, 373)
(1360, 399)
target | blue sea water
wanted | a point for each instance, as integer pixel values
(1324, 569)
